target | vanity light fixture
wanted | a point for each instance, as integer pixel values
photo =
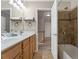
(13, 3)
(18, 4)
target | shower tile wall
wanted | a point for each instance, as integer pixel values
(64, 27)
(67, 27)
(74, 27)
(64, 32)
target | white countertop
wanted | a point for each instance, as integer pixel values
(12, 41)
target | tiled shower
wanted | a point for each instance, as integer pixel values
(67, 27)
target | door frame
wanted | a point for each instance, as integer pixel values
(36, 17)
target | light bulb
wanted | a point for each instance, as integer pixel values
(18, 4)
(48, 15)
(11, 2)
(21, 4)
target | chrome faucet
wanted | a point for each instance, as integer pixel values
(64, 33)
(21, 32)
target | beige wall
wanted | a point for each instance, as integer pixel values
(31, 8)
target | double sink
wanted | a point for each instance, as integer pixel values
(5, 36)
(10, 39)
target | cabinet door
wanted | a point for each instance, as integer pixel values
(32, 46)
(26, 49)
(26, 53)
(15, 13)
(31, 50)
(33, 43)
(12, 52)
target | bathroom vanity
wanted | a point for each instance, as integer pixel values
(22, 47)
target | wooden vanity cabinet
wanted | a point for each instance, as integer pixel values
(34, 43)
(32, 46)
(25, 49)
(12, 53)
(29, 47)
(22, 50)
(31, 50)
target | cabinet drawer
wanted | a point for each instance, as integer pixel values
(25, 43)
(12, 52)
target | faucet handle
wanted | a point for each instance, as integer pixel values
(64, 33)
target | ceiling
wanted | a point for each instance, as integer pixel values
(67, 5)
(31, 0)
(63, 5)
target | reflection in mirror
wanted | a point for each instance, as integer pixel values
(5, 21)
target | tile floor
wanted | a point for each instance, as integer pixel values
(44, 51)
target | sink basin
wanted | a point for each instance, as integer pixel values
(9, 34)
